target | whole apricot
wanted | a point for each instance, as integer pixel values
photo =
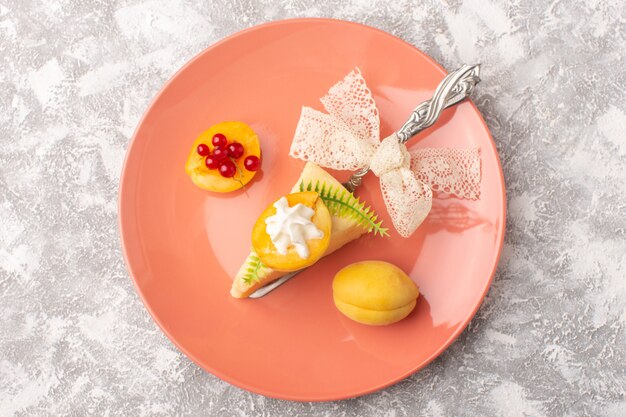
(374, 292)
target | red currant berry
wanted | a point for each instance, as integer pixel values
(211, 162)
(219, 140)
(252, 163)
(235, 150)
(203, 150)
(220, 153)
(227, 168)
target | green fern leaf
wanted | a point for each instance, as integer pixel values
(252, 272)
(342, 203)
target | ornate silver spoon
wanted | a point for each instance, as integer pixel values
(453, 89)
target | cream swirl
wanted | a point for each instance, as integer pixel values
(292, 226)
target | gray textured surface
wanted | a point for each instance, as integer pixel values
(75, 79)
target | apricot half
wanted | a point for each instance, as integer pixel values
(374, 292)
(211, 179)
(291, 261)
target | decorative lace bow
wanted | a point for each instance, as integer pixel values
(348, 138)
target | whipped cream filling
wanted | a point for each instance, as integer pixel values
(292, 227)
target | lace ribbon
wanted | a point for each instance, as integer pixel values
(348, 138)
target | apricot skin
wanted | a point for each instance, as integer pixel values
(374, 292)
(291, 261)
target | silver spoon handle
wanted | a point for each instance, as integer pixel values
(453, 89)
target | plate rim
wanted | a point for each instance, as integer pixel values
(233, 380)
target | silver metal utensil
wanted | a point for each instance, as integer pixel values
(453, 89)
(273, 285)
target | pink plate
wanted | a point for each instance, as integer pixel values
(183, 245)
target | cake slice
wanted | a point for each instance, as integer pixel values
(253, 274)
